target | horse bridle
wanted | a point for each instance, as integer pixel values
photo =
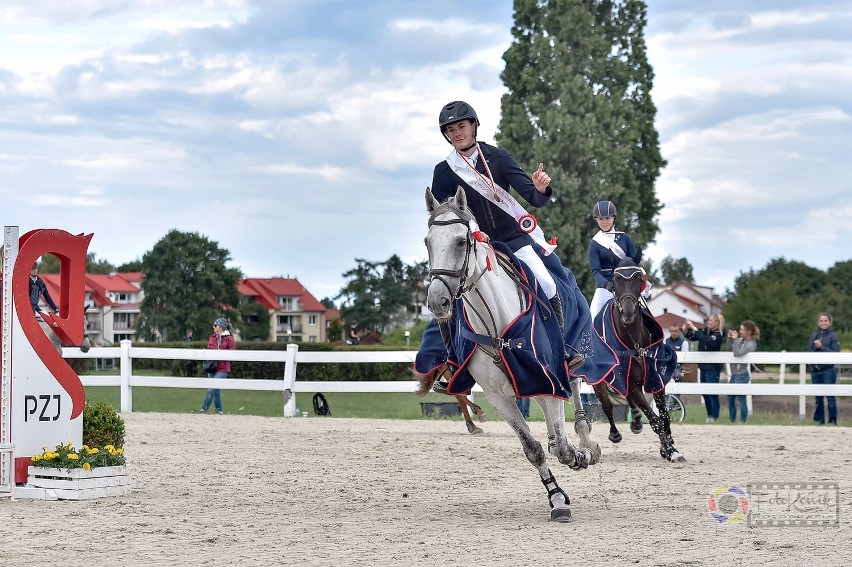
(460, 273)
(627, 273)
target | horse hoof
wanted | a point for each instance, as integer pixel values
(471, 428)
(482, 418)
(677, 458)
(615, 437)
(636, 427)
(560, 515)
(476, 431)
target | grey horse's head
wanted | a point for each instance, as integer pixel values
(448, 243)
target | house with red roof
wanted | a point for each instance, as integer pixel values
(673, 304)
(113, 305)
(294, 314)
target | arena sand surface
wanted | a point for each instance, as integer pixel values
(236, 490)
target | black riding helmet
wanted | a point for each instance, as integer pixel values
(453, 112)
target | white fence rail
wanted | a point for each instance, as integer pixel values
(290, 358)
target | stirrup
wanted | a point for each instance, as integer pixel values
(575, 361)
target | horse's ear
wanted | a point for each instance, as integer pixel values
(461, 198)
(431, 203)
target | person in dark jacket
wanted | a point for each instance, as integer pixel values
(221, 339)
(824, 339)
(38, 289)
(709, 340)
(486, 173)
(607, 248)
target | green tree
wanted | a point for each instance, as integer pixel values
(378, 294)
(676, 270)
(50, 265)
(254, 324)
(579, 101)
(131, 266)
(785, 319)
(187, 285)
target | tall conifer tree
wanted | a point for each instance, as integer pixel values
(579, 100)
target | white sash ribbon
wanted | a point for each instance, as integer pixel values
(486, 187)
(607, 240)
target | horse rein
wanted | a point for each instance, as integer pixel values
(462, 273)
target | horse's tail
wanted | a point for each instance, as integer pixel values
(426, 381)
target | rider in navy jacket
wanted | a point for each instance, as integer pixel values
(491, 219)
(602, 260)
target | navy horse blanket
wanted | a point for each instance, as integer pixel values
(530, 347)
(657, 361)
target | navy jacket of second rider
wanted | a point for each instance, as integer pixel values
(491, 219)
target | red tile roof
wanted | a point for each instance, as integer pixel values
(267, 290)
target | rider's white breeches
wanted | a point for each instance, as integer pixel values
(528, 256)
(599, 300)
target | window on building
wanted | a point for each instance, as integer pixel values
(287, 303)
(312, 320)
(312, 339)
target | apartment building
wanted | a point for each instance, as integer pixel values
(113, 300)
(294, 314)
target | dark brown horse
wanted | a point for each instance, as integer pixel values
(427, 381)
(630, 332)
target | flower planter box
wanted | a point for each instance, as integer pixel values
(80, 484)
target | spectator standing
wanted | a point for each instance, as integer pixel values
(679, 344)
(187, 338)
(709, 340)
(524, 406)
(824, 339)
(221, 339)
(39, 289)
(741, 343)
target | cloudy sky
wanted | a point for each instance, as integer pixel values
(301, 135)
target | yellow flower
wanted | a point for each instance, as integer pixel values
(86, 466)
(84, 448)
(119, 451)
(73, 456)
(69, 444)
(35, 459)
(109, 448)
(92, 451)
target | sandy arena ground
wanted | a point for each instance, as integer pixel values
(235, 490)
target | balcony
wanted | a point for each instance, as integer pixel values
(123, 325)
(282, 329)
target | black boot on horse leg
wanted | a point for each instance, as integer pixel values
(635, 417)
(602, 393)
(576, 360)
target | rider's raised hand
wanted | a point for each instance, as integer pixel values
(540, 179)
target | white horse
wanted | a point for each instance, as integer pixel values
(459, 268)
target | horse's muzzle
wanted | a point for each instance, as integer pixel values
(439, 303)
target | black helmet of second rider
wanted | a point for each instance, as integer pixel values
(603, 209)
(456, 111)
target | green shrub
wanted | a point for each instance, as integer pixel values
(102, 426)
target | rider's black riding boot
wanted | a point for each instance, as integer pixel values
(441, 384)
(574, 360)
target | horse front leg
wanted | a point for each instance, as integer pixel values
(666, 425)
(667, 449)
(582, 424)
(602, 394)
(635, 417)
(508, 410)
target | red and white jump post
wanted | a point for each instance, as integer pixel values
(42, 398)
